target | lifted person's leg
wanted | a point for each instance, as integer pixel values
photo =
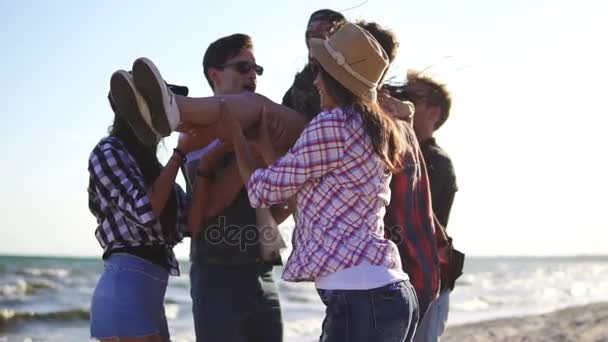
(170, 112)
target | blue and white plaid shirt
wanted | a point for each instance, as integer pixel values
(119, 202)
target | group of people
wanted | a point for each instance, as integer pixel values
(353, 160)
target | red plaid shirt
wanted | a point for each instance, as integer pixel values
(410, 223)
(341, 193)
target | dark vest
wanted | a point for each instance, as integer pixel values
(231, 238)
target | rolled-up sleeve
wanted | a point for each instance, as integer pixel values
(318, 151)
(119, 184)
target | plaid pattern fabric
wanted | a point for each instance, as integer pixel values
(341, 193)
(118, 200)
(410, 223)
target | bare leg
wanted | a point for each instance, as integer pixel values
(285, 124)
(169, 112)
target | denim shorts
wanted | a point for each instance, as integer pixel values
(385, 314)
(128, 299)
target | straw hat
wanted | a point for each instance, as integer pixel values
(354, 58)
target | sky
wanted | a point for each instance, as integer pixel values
(527, 130)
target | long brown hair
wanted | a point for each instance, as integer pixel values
(387, 140)
(150, 168)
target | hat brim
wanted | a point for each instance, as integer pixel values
(329, 64)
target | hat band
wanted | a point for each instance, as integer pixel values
(341, 61)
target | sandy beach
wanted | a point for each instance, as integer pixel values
(581, 323)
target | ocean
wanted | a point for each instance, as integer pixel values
(48, 298)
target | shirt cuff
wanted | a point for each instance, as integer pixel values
(252, 185)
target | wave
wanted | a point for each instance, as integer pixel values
(22, 288)
(9, 317)
(45, 272)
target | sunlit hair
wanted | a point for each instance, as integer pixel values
(387, 140)
(385, 37)
(436, 94)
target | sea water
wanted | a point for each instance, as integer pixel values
(48, 298)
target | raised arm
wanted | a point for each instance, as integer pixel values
(212, 194)
(318, 151)
(120, 184)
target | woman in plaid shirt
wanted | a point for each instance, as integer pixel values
(338, 172)
(141, 215)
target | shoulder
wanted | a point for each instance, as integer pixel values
(328, 116)
(329, 127)
(434, 152)
(438, 161)
(440, 155)
(334, 119)
(109, 146)
(109, 143)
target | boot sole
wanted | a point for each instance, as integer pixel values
(152, 87)
(124, 97)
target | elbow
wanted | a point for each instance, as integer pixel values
(194, 225)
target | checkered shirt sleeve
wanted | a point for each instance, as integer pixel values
(317, 151)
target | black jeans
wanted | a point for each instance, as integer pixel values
(235, 304)
(385, 314)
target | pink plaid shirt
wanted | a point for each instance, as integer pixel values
(341, 193)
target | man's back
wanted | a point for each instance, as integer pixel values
(409, 221)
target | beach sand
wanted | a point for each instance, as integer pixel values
(581, 323)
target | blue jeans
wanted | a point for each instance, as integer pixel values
(385, 314)
(128, 299)
(235, 304)
(434, 321)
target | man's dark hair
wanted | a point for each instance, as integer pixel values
(336, 19)
(327, 15)
(386, 38)
(436, 94)
(222, 50)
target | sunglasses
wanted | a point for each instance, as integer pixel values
(403, 94)
(244, 67)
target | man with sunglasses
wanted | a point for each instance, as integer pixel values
(233, 292)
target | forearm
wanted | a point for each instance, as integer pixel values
(159, 192)
(279, 212)
(245, 160)
(200, 200)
